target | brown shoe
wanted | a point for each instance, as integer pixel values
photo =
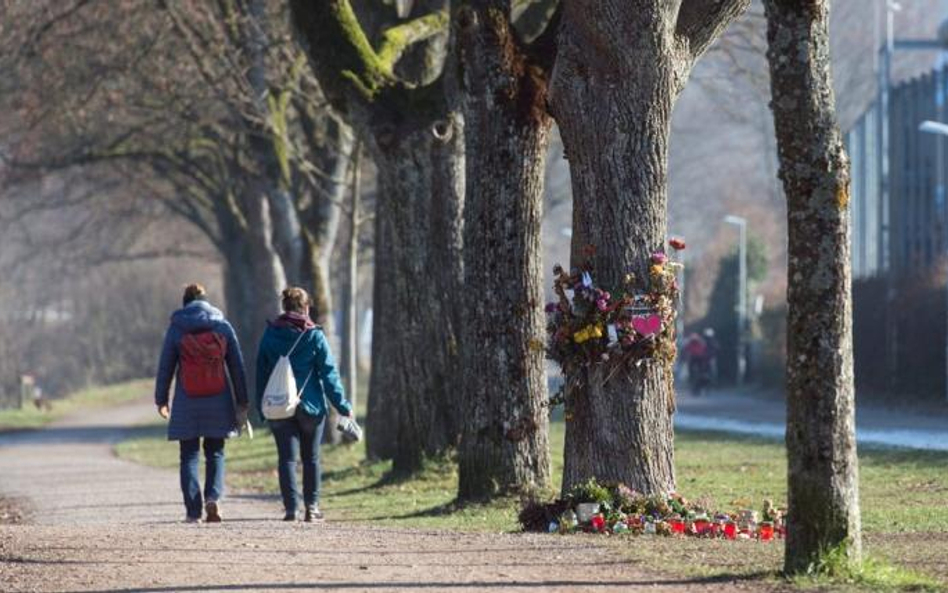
(213, 512)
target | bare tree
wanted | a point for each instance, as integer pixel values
(821, 440)
(208, 108)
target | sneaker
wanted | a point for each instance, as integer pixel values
(313, 514)
(213, 512)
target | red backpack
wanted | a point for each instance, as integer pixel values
(202, 364)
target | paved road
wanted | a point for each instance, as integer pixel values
(739, 413)
(97, 523)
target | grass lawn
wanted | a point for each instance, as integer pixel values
(31, 417)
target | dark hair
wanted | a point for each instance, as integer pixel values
(193, 292)
(295, 300)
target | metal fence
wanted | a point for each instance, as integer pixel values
(908, 233)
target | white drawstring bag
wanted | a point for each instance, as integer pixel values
(280, 397)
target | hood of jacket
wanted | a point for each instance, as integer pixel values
(196, 316)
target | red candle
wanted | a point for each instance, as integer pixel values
(766, 531)
(730, 530)
(702, 526)
(598, 523)
(678, 526)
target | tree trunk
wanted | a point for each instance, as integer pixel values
(253, 274)
(322, 216)
(614, 108)
(412, 364)
(348, 331)
(821, 445)
(504, 444)
(409, 409)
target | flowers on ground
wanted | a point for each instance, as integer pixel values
(615, 509)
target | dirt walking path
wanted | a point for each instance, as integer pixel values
(97, 523)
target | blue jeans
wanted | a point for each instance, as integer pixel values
(302, 433)
(213, 474)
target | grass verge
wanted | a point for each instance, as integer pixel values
(94, 397)
(872, 574)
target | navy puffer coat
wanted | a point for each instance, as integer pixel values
(212, 416)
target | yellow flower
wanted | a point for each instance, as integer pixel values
(657, 270)
(588, 333)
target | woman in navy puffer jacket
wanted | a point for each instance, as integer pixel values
(199, 345)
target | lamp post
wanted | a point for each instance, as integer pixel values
(741, 307)
(940, 129)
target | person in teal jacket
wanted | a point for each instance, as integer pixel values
(315, 372)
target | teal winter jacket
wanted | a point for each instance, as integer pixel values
(311, 354)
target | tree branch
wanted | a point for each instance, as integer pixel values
(398, 38)
(345, 63)
(700, 22)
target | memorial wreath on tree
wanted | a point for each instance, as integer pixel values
(590, 324)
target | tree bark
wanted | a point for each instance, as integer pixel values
(409, 395)
(821, 445)
(620, 67)
(504, 443)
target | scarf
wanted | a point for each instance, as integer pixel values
(300, 321)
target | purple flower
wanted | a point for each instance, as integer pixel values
(659, 258)
(602, 304)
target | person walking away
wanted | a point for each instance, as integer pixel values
(714, 348)
(201, 352)
(696, 354)
(293, 334)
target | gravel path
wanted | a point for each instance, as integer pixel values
(97, 523)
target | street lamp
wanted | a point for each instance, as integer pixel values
(934, 127)
(741, 224)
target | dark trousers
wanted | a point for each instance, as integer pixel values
(300, 434)
(213, 473)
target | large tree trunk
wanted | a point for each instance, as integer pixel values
(409, 401)
(821, 444)
(504, 444)
(614, 108)
(412, 362)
